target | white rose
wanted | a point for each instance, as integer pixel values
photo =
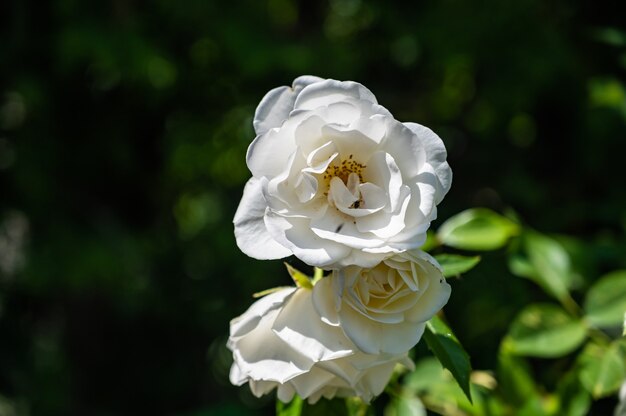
(336, 179)
(281, 342)
(383, 309)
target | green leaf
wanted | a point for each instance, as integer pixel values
(405, 406)
(438, 390)
(573, 399)
(449, 352)
(357, 407)
(334, 407)
(293, 408)
(544, 330)
(318, 274)
(515, 377)
(603, 368)
(477, 229)
(268, 291)
(431, 241)
(301, 279)
(520, 266)
(454, 264)
(605, 304)
(551, 268)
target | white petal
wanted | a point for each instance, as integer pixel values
(299, 326)
(308, 135)
(327, 301)
(305, 187)
(427, 194)
(384, 172)
(336, 227)
(405, 146)
(374, 380)
(330, 91)
(386, 225)
(311, 382)
(235, 376)
(350, 142)
(343, 112)
(363, 362)
(340, 195)
(285, 393)
(365, 258)
(430, 302)
(276, 361)
(296, 234)
(343, 369)
(275, 107)
(374, 197)
(261, 387)
(251, 233)
(436, 155)
(319, 159)
(246, 322)
(375, 338)
(269, 152)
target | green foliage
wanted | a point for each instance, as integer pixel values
(123, 133)
(515, 377)
(293, 408)
(603, 367)
(436, 387)
(546, 263)
(574, 400)
(455, 265)
(605, 304)
(448, 350)
(477, 229)
(405, 406)
(334, 407)
(299, 278)
(544, 330)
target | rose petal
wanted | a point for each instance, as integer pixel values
(405, 147)
(327, 301)
(296, 234)
(275, 361)
(312, 338)
(383, 224)
(384, 172)
(306, 187)
(311, 382)
(276, 105)
(374, 381)
(261, 387)
(375, 338)
(336, 227)
(250, 319)
(251, 233)
(330, 91)
(436, 155)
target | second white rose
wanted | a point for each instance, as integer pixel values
(384, 309)
(341, 338)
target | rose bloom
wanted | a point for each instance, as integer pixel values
(384, 309)
(336, 180)
(280, 342)
(343, 337)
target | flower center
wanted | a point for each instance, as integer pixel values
(343, 170)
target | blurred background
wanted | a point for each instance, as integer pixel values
(123, 131)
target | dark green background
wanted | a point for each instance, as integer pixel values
(123, 131)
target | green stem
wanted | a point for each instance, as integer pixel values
(599, 336)
(571, 306)
(317, 274)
